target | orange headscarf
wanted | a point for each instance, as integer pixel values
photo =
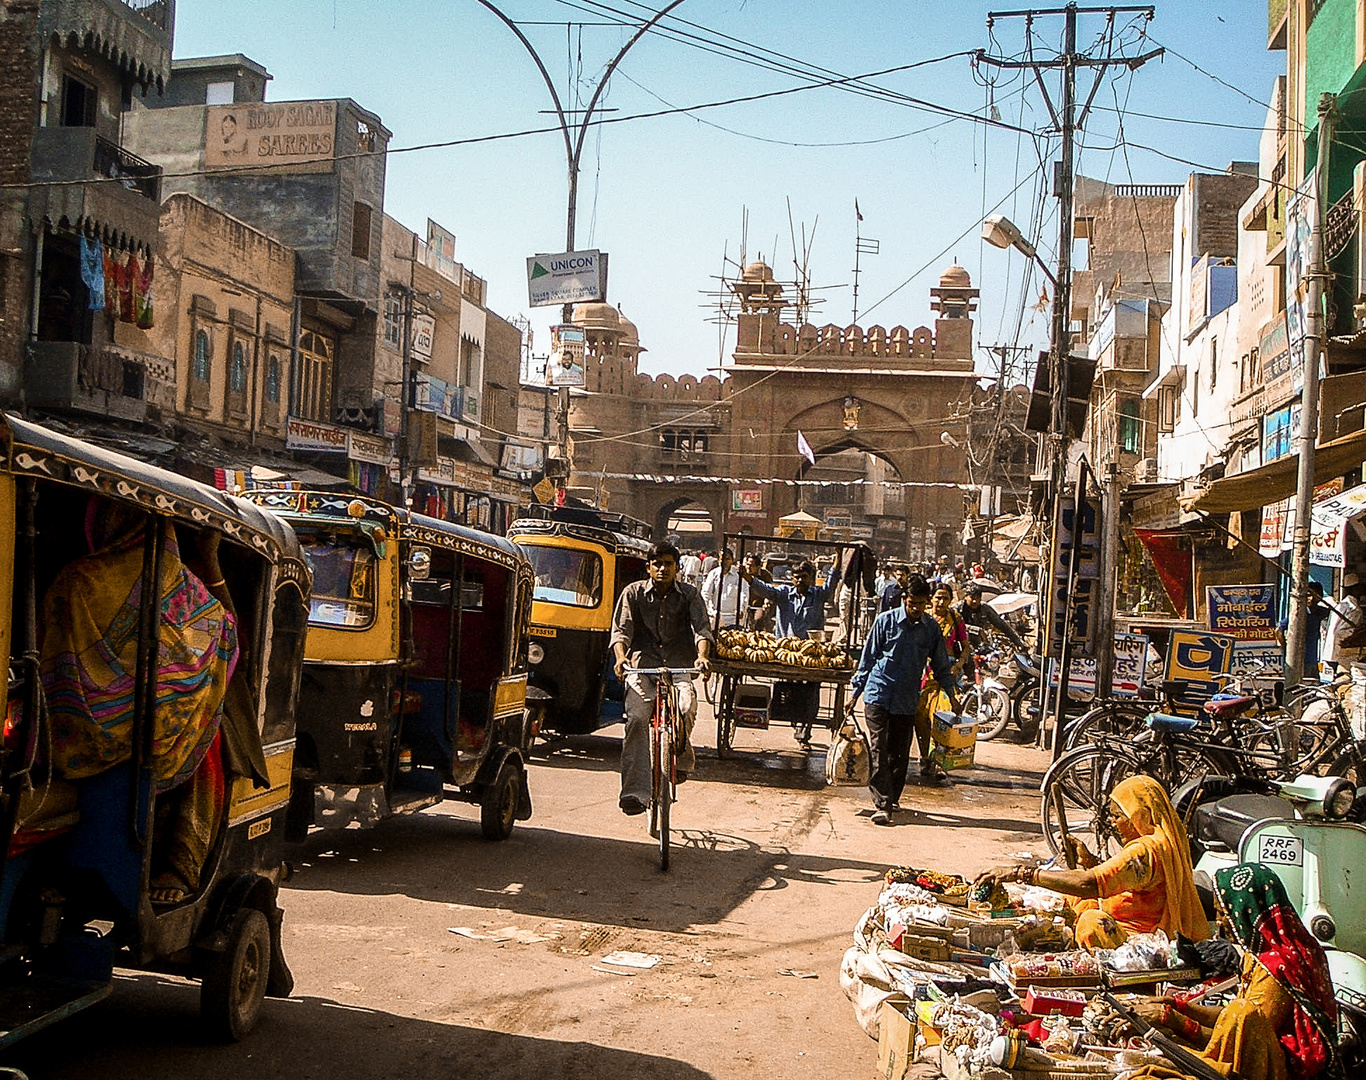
(1161, 834)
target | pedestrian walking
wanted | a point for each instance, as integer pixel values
(725, 593)
(894, 656)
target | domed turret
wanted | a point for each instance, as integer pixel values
(955, 277)
(757, 271)
(629, 334)
(596, 316)
(954, 297)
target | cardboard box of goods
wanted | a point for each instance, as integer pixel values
(924, 1023)
(949, 760)
(954, 732)
(1044, 1001)
(924, 948)
(751, 705)
(895, 1041)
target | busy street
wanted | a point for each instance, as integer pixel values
(772, 871)
(906, 621)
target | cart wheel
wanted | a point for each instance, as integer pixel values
(725, 717)
(498, 808)
(234, 983)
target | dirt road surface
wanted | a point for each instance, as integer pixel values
(421, 950)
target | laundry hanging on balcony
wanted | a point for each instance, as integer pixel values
(142, 295)
(113, 274)
(131, 269)
(92, 271)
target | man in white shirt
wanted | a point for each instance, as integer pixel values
(724, 590)
(690, 569)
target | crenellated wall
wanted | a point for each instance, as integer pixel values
(760, 335)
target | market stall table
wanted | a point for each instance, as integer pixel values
(733, 672)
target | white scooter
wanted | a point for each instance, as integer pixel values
(1303, 834)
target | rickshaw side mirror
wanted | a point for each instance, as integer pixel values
(419, 564)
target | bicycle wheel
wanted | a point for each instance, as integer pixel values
(665, 768)
(1175, 760)
(991, 706)
(1079, 785)
(1119, 718)
(725, 716)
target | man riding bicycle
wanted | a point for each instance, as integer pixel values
(659, 622)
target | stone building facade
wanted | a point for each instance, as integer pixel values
(648, 446)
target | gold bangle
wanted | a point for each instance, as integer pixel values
(215, 584)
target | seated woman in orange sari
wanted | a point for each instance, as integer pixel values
(1147, 886)
(91, 617)
(1283, 1022)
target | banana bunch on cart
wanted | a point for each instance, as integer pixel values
(756, 647)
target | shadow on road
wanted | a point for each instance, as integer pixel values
(542, 873)
(150, 1027)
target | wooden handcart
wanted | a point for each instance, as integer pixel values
(733, 672)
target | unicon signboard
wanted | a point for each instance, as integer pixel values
(571, 277)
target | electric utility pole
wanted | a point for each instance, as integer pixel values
(1066, 119)
(574, 139)
(1297, 624)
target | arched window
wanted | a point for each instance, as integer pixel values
(273, 380)
(201, 355)
(1130, 427)
(237, 381)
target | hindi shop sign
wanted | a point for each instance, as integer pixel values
(1195, 659)
(1131, 664)
(1244, 612)
(315, 438)
(571, 277)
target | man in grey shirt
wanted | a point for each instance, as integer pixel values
(659, 622)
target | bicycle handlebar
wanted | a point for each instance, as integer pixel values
(661, 670)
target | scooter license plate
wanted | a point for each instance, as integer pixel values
(1280, 850)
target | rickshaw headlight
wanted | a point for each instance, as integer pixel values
(535, 653)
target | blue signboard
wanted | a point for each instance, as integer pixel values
(1245, 612)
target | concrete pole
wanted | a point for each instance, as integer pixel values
(1109, 583)
(1309, 409)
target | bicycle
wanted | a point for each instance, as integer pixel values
(666, 733)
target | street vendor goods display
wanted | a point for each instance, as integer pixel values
(756, 647)
(960, 989)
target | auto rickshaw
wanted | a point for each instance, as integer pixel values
(145, 762)
(583, 558)
(414, 681)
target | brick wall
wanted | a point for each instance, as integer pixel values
(18, 108)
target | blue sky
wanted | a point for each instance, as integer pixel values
(668, 197)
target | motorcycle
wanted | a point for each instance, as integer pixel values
(1307, 830)
(990, 695)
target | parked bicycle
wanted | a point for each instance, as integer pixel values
(666, 735)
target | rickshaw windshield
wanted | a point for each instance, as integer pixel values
(566, 576)
(343, 567)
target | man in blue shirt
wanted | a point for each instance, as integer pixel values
(894, 590)
(1315, 616)
(798, 609)
(888, 678)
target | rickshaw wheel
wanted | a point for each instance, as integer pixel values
(234, 984)
(498, 807)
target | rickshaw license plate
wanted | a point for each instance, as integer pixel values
(1280, 850)
(258, 828)
(542, 631)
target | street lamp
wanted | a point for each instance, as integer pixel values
(999, 231)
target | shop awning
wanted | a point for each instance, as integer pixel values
(1256, 488)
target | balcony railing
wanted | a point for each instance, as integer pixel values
(131, 171)
(1145, 191)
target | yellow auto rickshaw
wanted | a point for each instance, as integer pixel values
(145, 762)
(414, 681)
(582, 558)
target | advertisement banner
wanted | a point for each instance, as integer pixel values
(570, 277)
(1245, 612)
(1131, 664)
(568, 345)
(747, 499)
(314, 437)
(424, 330)
(270, 133)
(440, 253)
(1274, 518)
(369, 448)
(1258, 659)
(1195, 659)
(1074, 614)
(1328, 537)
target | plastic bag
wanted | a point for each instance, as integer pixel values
(846, 762)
